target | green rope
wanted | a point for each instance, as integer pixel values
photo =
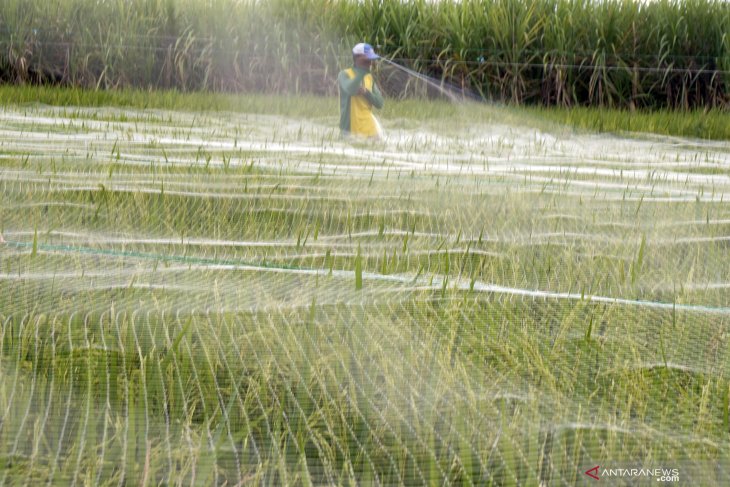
(265, 265)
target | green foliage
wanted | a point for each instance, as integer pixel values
(700, 124)
(615, 53)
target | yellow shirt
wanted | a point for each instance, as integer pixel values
(362, 120)
(357, 110)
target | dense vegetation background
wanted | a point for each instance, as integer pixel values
(612, 53)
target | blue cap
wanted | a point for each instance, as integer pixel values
(363, 49)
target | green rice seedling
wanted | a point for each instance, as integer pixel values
(197, 335)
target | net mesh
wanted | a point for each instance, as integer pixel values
(232, 299)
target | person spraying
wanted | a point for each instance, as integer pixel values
(359, 94)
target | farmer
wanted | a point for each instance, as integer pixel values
(359, 94)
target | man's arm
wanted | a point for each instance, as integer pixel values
(375, 97)
(350, 86)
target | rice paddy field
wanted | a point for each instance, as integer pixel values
(239, 297)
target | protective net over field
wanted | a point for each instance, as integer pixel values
(232, 299)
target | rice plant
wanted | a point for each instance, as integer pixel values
(240, 297)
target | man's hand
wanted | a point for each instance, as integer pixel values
(362, 91)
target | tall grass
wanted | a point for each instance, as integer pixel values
(553, 52)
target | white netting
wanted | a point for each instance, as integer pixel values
(223, 299)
